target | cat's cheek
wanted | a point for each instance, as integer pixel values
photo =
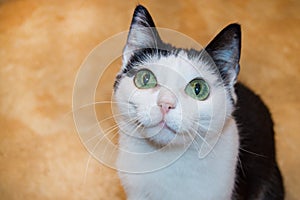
(186, 115)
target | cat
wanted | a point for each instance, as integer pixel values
(169, 96)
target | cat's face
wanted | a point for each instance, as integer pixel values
(167, 95)
(182, 101)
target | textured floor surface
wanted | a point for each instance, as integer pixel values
(43, 43)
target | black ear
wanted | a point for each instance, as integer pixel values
(225, 50)
(142, 33)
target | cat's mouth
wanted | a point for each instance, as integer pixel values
(163, 125)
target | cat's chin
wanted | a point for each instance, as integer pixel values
(162, 135)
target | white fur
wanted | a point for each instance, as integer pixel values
(207, 176)
(210, 178)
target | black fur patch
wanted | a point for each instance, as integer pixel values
(257, 176)
(142, 56)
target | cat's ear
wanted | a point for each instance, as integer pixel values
(142, 33)
(225, 51)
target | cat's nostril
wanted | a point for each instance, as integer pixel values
(165, 107)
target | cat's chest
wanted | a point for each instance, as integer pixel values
(184, 180)
(189, 177)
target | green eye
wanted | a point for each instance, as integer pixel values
(197, 89)
(145, 79)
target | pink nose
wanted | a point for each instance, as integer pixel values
(166, 100)
(166, 107)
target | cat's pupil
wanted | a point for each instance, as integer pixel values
(146, 78)
(197, 88)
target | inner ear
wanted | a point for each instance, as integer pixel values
(142, 33)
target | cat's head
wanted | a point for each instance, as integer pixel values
(171, 95)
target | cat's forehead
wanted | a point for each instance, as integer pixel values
(180, 68)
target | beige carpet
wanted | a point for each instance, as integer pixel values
(43, 43)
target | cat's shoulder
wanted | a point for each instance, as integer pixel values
(250, 106)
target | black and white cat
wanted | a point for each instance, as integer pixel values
(173, 97)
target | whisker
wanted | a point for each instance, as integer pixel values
(253, 153)
(110, 129)
(93, 104)
(199, 125)
(106, 133)
(194, 142)
(239, 159)
(203, 139)
(115, 134)
(115, 115)
(110, 117)
(200, 136)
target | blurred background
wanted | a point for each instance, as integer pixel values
(43, 43)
